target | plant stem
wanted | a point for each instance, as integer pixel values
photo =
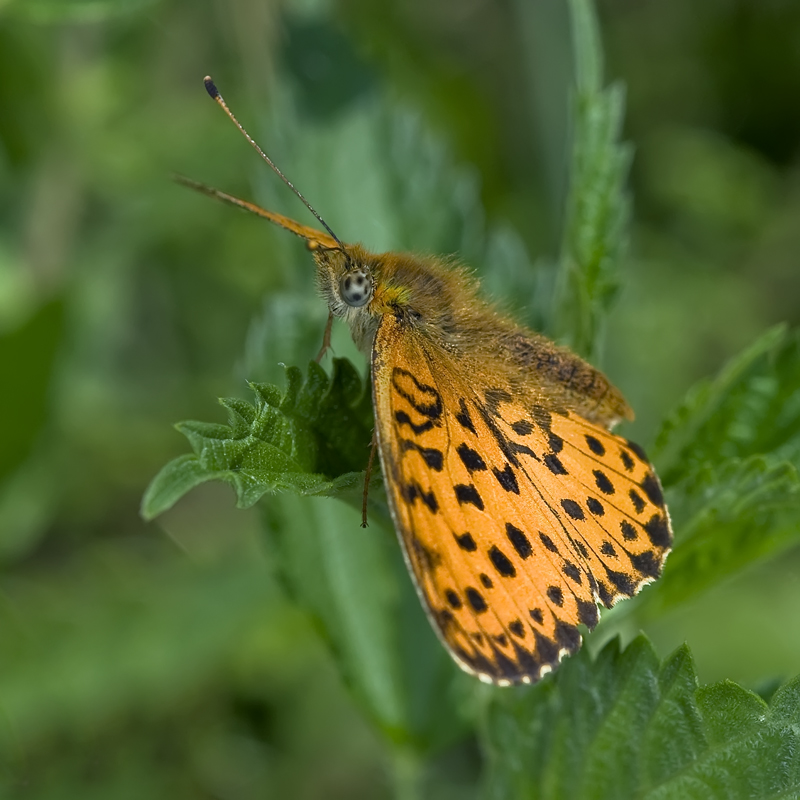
(407, 769)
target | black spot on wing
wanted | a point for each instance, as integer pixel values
(636, 499)
(602, 482)
(485, 580)
(606, 598)
(546, 648)
(588, 614)
(556, 595)
(430, 455)
(522, 449)
(627, 461)
(501, 562)
(476, 660)
(568, 636)
(595, 506)
(607, 549)
(628, 531)
(475, 599)
(647, 564)
(426, 401)
(413, 491)
(573, 509)
(517, 628)
(548, 542)
(507, 668)
(556, 442)
(652, 489)
(572, 572)
(453, 599)
(519, 541)
(595, 445)
(467, 494)
(508, 448)
(470, 458)
(403, 419)
(528, 664)
(522, 428)
(658, 531)
(537, 615)
(507, 479)
(466, 542)
(463, 418)
(553, 463)
(622, 581)
(638, 450)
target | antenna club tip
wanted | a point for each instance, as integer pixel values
(210, 87)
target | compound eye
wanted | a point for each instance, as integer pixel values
(356, 287)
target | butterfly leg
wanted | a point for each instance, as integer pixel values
(326, 338)
(372, 448)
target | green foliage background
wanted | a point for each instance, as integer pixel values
(278, 650)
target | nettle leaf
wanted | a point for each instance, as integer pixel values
(598, 206)
(729, 458)
(313, 439)
(725, 518)
(752, 407)
(627, 726)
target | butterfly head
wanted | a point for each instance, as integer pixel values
(425, 293)
(346, 279)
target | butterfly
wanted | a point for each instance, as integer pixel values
(517, 508)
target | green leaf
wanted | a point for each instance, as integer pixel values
(598, 207)
(728, 457)
(173, 482)
(725, 517)
(626, 726)
(752, 407)
(311, 439)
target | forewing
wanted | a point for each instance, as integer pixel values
(514, 520)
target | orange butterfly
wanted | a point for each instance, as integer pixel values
(516, 507)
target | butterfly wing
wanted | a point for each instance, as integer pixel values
(514, 521)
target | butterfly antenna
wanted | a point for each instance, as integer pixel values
(215, 95)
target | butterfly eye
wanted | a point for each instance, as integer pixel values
(356, 287)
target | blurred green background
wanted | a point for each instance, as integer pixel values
(164, 660)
